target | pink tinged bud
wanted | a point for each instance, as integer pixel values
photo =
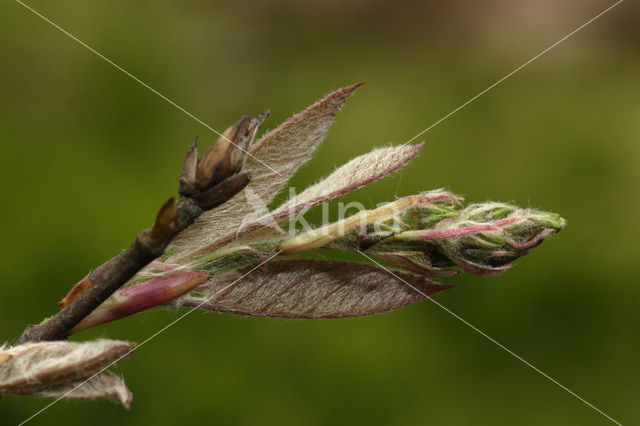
(488, 248)
(139, 297)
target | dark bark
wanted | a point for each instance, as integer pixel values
(203, 185)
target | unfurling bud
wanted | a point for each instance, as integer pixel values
(482, 238)
(327, 234)
(214, 178)
(427, 234)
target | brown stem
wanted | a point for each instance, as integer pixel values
(203, 185)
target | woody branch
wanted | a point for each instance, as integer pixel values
(205, 183)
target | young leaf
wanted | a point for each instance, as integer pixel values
(102, 386)
(286, 148)
(356, 173)
(312, 289)
(50, 369)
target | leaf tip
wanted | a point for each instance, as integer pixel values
(346, 91)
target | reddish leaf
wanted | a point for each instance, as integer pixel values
(312, 289)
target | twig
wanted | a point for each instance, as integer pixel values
(204, 184)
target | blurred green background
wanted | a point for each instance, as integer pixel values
(87, 155)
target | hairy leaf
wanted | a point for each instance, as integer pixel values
(312, 289)
(48, 368)
(101, 386)
(356, 173)
(284, 149)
